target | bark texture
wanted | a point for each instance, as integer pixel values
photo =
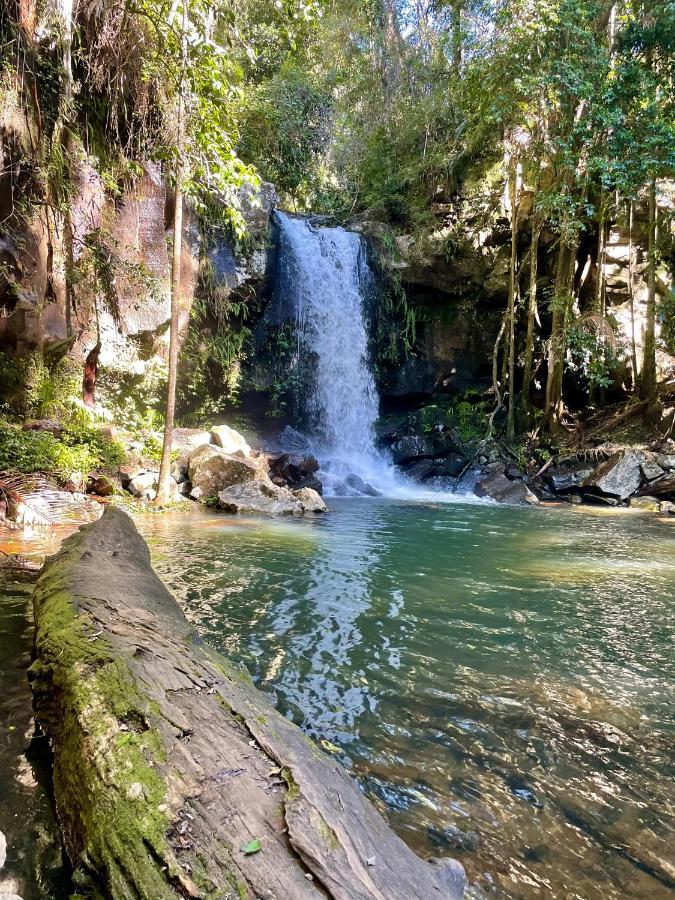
(168, 761)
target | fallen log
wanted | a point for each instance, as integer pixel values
(173, 775)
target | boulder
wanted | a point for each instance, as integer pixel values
(230, 440)
(292, 440)
(498, 487)
(618, 477)
(311, 501)
(564, 478)
(356, 483)
(189, 438)
(142, 484)
(666, 461)
(411, 446)
(211, 469)
(664, 486)
(49, 425)
(259, 498)
(650, 468)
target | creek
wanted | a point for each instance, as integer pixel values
(499, 680)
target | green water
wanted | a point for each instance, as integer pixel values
(499, 680)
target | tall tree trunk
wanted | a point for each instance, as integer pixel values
(515, 202)
(163, 486)
(631, 295)
(67, 141)
(456, 34)
(531, 313)
(648, 376)
(562, 304)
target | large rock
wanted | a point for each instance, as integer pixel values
(189, 438)
(211, 469)
(564, 478)
(619, 477)
(500, 488)
(411, 446)
(312, 502)
(230, 440)
(663, 487)
(260, 498)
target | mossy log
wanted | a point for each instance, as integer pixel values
(173, 775)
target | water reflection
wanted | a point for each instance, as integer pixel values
(500, 680)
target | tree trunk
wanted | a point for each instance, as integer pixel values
(631, 295)
(531, 314)
(515, 199)
(648, 376)
(456, 34)
(163, 486)
(562, 303)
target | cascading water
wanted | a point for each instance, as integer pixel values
(322, 275)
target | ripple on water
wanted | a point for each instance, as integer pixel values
(500, 680)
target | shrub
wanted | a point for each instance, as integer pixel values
(80, 449)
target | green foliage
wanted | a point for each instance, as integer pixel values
(34, 389)
(79, 450)
(666, 314)
(592, 355)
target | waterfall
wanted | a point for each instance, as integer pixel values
(321, 277)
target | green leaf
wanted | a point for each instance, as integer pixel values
(253, 846)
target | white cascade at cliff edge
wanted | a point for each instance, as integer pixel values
(323, 274)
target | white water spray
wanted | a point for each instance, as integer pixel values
(322, 274)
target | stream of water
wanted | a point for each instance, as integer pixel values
(500, 680)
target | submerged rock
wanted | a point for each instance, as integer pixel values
(498, 487)
(260, 498)
(211, 470)
(357, 484)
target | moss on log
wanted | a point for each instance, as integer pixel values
(170, 768)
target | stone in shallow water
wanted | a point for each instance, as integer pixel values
(259, 498)
(498, 487)
(619, 477)
(311, 501)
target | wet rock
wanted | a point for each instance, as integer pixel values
(453, 875)
(664, 486)
(259, 498)
(189, 438)
(651, 469)
(564, 478)
(410, 446)
(648, 504)
(619, 477)
(310, 482)
(100, 485)
(291, 440)
(294, 470)
(454, 464)
(422, 469)
(211, 470)
(455, 838)
(311, 501)
(498, 487)
(356, 483)
(230, 440)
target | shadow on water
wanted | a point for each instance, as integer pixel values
(499, 680)
(34, 868)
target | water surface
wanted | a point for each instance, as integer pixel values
(499, 680)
